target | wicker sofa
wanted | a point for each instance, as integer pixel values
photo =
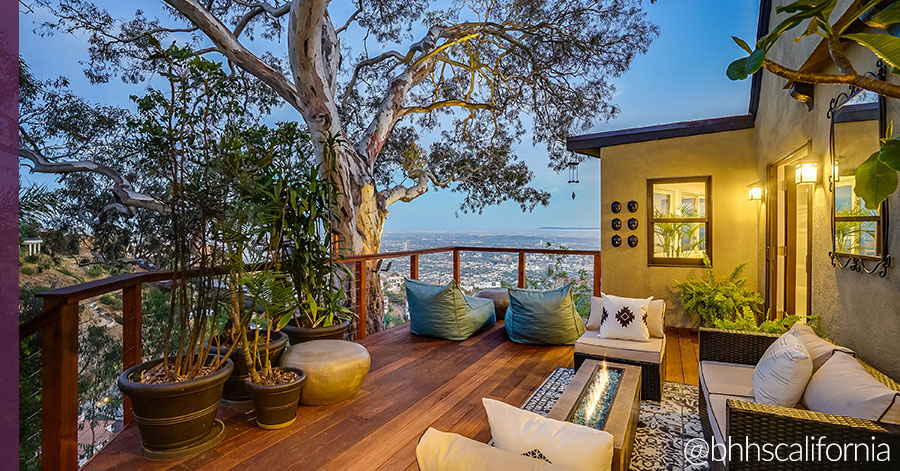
(745, 420)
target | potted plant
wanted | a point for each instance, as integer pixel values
(310, 257)
(261, 297)
(713, 298)
(175, 398)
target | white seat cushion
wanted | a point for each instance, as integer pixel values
(781, 374)
(565, 444)
(843, 387)
(650, 351)
(727, 378)
(440, 451)
(718, 413)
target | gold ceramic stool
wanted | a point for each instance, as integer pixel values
(335, 369)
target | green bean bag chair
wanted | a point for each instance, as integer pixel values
(543, 317)
(443, 311)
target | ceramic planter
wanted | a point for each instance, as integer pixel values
(305, 334)
(235, 389)
(276, 406)
(176, 420)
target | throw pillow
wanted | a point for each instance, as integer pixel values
(656, 316)
(624, 318)
(781, 375)
(543, 317)
(842, 386)
(819, 349)
(565, 444)
(440, 451)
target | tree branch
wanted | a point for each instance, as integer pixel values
(121, 185)
(407, 194)
(256, 9)
(363, 64)
(446, 103)
(878, 86)
(349, 21)
(227, 43)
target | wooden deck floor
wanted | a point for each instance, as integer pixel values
(414, 383)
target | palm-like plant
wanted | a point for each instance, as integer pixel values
(678, 238)
(849, 234)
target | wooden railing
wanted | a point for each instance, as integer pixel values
(58, 325)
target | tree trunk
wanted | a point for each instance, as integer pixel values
(359, 228)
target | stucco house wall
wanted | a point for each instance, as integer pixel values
(857, 310)
(729, 158)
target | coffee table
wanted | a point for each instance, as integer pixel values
(622, 419)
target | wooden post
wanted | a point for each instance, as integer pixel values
(521, 269)
(456, 265)
(413, 267)
(361, 299)
(597, 275)
(59, 388)
(131, 336)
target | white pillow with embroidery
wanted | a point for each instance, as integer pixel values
(441, 451)
(623, 318)
(563, 444)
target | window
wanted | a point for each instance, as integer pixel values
(679, 228)
(857, 230)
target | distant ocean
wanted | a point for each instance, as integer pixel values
(574, 238)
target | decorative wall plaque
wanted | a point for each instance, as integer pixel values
(616, 224)
(616, 240)
(616, 207)
(632, 241)
(633, 223)
(632, 206)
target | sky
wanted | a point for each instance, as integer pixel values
(694, 37)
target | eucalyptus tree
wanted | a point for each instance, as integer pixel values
(470, 75)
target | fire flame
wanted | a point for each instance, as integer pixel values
(596, 393)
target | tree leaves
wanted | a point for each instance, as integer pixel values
(875, 181)
(885, 46)
(746, 66)
(886, 17)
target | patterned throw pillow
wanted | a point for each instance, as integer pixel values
(623, 318)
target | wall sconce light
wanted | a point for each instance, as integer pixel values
(756, 192)
(807, 172)
(837, 170)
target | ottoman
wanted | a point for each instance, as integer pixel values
(335, 369)
(500, 296)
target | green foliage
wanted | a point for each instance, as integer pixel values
(678, 237)
(113, 301)
(95, 271)
(26, 271)
(876, 178)
(556, 276)
(713, 298)
(745, 319)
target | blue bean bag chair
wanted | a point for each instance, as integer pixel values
(543, 317)
(443, 311)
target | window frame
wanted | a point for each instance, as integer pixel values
(652, 259)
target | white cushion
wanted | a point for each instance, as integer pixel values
(622, 318)
(820, 350)
(439, 451)
(727, 378)
(842, 386)
(781, 375)
(565, 444)
(650, 351)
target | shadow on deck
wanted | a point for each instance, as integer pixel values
(414, 383)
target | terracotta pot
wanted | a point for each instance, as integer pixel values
(235, 389)
(176, 420)
(305, 334)
(276, 406)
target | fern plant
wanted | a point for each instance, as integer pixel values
(746, 320)
(714, 298)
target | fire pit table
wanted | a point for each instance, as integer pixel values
(607, 399)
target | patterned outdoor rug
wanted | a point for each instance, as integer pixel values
(662, 429)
